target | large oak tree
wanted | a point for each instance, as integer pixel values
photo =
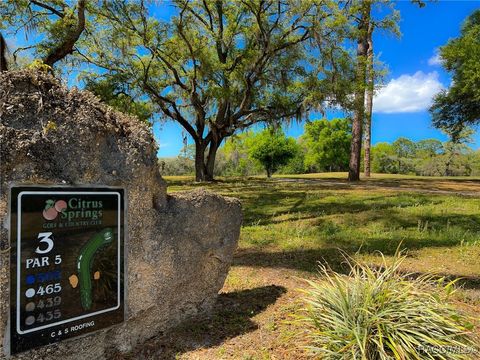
(217, 67)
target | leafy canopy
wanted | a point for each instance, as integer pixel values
(404, 148)
(115, 93)
(459, 106)
(327, 144)
(222, 65)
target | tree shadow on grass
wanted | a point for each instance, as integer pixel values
(259, 211)
(309, 261)
(428, 183)
(303, 260)
(414, 184)
(461, 282)
(230, 317)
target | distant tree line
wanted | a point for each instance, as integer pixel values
(429, 157)
(324, 147)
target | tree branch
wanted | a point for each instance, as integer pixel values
(162, 101)
(67, 46)
(48, 7)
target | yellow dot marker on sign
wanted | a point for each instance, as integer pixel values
(73, 280)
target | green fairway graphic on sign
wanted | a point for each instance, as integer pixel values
(67, 268)
(84, 264)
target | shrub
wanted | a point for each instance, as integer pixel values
(381, 313)
(272, 149)
(179, 165)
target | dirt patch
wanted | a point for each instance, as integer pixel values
(252, 319)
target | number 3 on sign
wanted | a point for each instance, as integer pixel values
(45, 238)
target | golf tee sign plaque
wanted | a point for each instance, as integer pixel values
(67, 263)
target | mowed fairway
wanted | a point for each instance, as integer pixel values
(291, 224)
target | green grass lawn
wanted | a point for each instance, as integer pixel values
(309, 220)
(291, 225)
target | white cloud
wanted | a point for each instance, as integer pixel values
(435, 60)
(407, 93)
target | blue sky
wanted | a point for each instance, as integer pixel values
(414, 76)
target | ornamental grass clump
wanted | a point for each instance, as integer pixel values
(382, 313)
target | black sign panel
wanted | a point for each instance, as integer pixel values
(67, 267)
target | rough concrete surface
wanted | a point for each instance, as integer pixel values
(180, 246)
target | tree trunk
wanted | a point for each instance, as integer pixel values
(3, 54)
(212, 153)
(200, 168)
(369, 103)
(359, 102)
(447, 165)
